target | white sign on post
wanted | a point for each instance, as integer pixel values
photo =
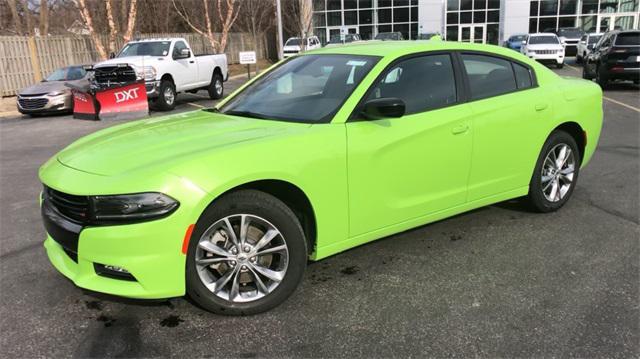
(247, 57)
(343, 33)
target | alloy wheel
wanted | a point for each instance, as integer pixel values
(242, 258)
(218, 86)
(169, 96)
(558, 171)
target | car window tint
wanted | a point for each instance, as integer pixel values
(523, 76)
(488, 76)
(178, 47)
(423, 83)
(628, 39)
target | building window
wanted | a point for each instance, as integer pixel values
(478, 17)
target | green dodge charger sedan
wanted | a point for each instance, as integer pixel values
(322, 153)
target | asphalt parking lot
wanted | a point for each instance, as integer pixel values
(495, 282)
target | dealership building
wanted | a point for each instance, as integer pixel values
(482, 21)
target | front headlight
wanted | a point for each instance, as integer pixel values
(134, 207)
(147, 73)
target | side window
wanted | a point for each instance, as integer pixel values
(423, 83)
(523, 76)
(488, 76)
(178, 47)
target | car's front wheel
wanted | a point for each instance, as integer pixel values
(247, 254)
(602, 78)
(166, 100)
(556, 173)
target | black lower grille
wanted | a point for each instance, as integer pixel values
(71, 206)
(32, 103)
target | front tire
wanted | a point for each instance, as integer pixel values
(556, 173)
(247, 254)
(216, 88)
(166, 100)
(560, 65)
(602, 78)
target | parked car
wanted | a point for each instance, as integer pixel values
(386, 36)
(616, 56)
(341, 40)
(514, 42)
(293, 45)
(545, 48)
(429, 36)
(569, 38)
(168, 67)
(586, 44)
(228, 204)
(51, 95)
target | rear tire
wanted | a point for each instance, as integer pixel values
(244, 267)
(166, 100)
(216, 88)
(554, 170)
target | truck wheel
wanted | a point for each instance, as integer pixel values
(216, 88)
(166, 100)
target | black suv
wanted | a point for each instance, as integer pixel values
(616, 56)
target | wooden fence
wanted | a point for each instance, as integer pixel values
(24, 60)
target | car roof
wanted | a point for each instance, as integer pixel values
(407, 47)
(543, 34)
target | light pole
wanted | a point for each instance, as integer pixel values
(280, 41)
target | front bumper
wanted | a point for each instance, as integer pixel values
(44, 103)
(150, 251)
(153, 88)
(547, 58)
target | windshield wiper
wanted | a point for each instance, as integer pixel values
(246, 114)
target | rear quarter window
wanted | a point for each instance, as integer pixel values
(488, 76)
(628, 39)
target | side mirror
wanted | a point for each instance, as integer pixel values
(112, 55)
(185, 52)
(590, 47)
(383, 108)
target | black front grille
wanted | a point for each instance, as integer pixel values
(114, 75)
(71, 206)
(32, 103)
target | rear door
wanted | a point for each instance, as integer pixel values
(405, 168)
(507, 107)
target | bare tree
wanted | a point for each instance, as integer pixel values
(113, 32)
(227, 18)
(44, 17)
(297, 18)
(256, 17)
(28, 18)
(88, 20)
(13, 6)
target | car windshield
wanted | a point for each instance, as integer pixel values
(572, 33)
(347, 38)
(538, 40)
(594, 38)
(67, 74)
(628, 39)
(293, 42)
(306, 89)
(517, 38)
(147, 48)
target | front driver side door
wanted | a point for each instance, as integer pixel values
(185, 71)
(404, 168)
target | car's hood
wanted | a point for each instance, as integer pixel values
(132, 60)
(160, 141)
(48, 86)
(545, 47)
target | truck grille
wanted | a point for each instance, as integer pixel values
(114, 75)
(32, 103)
(73, 207)
(546, 52)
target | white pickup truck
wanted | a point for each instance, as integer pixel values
(168, 67)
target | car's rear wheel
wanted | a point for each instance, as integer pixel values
(247, 254)
(216, 88)
(556, 173)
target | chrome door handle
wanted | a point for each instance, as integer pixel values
(460, 129)
(541, 106)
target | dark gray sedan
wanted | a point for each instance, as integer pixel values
(51, 95)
